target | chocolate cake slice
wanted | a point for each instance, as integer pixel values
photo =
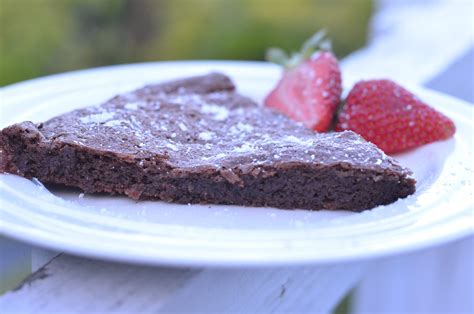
(196, 140)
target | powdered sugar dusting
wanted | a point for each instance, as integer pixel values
(97, 117)
(182, 127)
(296, 140)
(219, 113)
(244, 148)
(240, 128)
(114, 123)
(131, 106)
(217, 129)
(206, 136)
(172, 147)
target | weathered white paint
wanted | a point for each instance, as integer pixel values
(40, 257)
(437, 280)
(77, 285)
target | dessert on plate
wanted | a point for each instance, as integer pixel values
(380, 110)
(196, 140)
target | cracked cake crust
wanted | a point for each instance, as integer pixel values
(196, 140)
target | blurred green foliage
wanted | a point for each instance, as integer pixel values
(39, 37)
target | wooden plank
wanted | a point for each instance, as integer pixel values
(437, 280)
(307, 289)
(80, 285)
(40, 257)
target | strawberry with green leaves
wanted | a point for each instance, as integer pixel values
(310, 88)
(391, 117)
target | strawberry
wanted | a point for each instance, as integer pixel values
(310, 88)
(391, 117)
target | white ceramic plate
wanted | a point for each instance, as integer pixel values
(118, 228)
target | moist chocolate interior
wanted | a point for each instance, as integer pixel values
(196, 140)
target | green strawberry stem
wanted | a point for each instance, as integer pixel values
(315, 43)
(277, 56)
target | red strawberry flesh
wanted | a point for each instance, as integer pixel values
(309, 92)
(391, 117)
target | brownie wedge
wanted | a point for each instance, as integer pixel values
(196, 140)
